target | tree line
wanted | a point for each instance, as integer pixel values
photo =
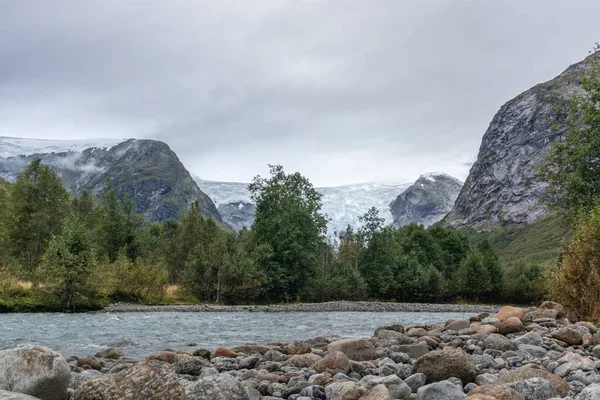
(75, 253)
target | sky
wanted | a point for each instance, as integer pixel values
(343, 91)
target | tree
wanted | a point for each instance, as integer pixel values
(288, 223)
(572, 167)
(67, 264)
(491, 263)
(5, 215)
(39, 206)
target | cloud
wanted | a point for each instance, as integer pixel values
(343, 91)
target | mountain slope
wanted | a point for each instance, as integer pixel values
(426, 201)
(503, 187)
(148, 170)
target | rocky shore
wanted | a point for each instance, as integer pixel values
(338, 306)
(514, 354)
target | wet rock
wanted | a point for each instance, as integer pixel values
(36, 371)
(114, 353)
(150, 379)
(190, 365)
(204, 353)
(224, 352)
(164, 356)
(88, 363)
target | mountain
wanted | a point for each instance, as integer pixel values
(503, 186)
(342, 204)
(426, 201)
(146, 169)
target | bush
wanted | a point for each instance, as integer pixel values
(575, 281)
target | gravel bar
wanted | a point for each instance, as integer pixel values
(334, 306)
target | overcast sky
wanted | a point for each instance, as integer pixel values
(343, 91)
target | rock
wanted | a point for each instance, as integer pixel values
(458, 325)
(498, 342)
(413, 350)
(587, 340)
(533, 315)
(572, 316)
(535, 371)
(387, 338)
(88, 363)
(496, 392)
(333, 363)
(354, 349)
(596, 351)
(592, 392)
(511, 325)
(415, 381)
(114, 353)
(551, 305)
(395, 328)
(379, 392)
(534, 388)
(224, 352)
(507, 312)
(491, 321)
(164, 356)
(150, 379)
(303, 360)
(217, 387)
(36, 371)
(345, 391)
(442, 364)
(190, 365)
(416, 332)
(529, 338)
(443, 390)
(296, 348)
(568, 335)
(6, 395)
(204, 353)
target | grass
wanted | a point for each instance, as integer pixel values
(537, 244)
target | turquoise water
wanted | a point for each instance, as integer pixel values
(142, 333)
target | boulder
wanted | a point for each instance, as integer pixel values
(507, 311)
(164, 356)
(345, 391)
(6, 395)
(224, 352)
(413, 350)
(535, 371)
(36, 371)
(496, 392)
(303, 360)
(387, 338)
(439, 365)
(354, 349)
(457, 325)
(537, 314)
(204, 353)
(531, 338)
(88, 363)
(551, 305)
(395, 328)
(592, 392)
(444, 390)
(534, 388)
(217, 387)
(511, 325)
(296, 348)
(498, 342)
(114, 353)
(568, 335)
(379, 392)
(150, 379)
(190, 365)
(334, 362)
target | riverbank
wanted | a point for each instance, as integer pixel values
(515, 354)
(333, 306)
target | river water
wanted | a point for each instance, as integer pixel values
(142, 334)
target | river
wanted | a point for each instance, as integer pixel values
(144, 333)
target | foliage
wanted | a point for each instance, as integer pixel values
(575, 282)
(289, 223)
(572, 167)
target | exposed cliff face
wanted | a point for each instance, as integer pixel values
(148, 170)
(503, 186)
(427, 201)
(238, 214)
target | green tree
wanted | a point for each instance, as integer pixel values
(39, 206)
(5, 203)
(573, 166)
(491, 263)
(289, 224)
(67, 264)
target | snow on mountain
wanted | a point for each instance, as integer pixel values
(342, 204)
(14, 147)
